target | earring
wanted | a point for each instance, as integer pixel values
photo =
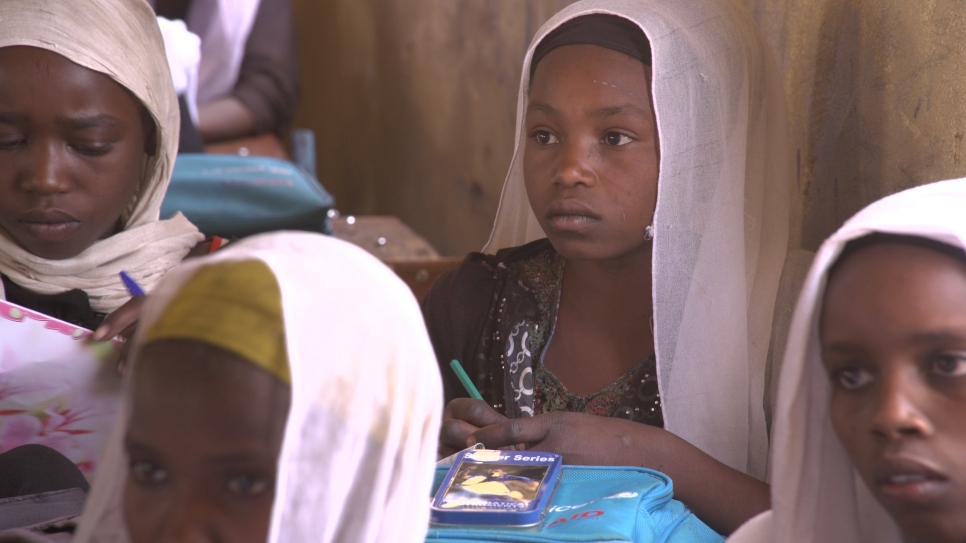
(649, 232)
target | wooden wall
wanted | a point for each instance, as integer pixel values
(413, 103)
(876, 99)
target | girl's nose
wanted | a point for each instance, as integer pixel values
(897, 412)
(576, 165)
(44, 170)
(189, 521)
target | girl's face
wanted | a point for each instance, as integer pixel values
(591, 157)
(73, 147)
(203, 442)
(893, 340)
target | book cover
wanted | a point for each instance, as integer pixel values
(497, 487)
(57, 387)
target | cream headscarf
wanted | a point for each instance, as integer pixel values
(721, 221)
(816, 494)
(360, 442)
(119, 38)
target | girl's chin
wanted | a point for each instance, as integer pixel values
(592, 250)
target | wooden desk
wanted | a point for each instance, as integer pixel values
(264, 145)
(385, 236)
(401, 248)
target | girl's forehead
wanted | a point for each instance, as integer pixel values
(47, 81)
(889, 295)
(583, 58)
(589, 76)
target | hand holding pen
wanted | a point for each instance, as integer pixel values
(462, 417)
(123, 320)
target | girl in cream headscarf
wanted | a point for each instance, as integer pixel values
(872, 398)
(651, 152)
(88, 134)
(254, 416)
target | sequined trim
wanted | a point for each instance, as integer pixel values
(640, 382)
(535, 389)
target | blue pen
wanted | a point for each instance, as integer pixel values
(132, 286)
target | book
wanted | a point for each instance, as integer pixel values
(57, 387)
(493, 487)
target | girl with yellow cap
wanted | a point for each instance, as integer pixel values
(251, 415)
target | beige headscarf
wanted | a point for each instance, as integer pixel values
(816, 494)
(121, 39)
(721, 224)
(359, 450)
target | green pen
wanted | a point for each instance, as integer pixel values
(465, 379)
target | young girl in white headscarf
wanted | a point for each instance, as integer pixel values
(88, 135)
(651, 155)
(252, 416)
(869, 434)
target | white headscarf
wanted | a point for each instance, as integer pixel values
(360, 442)
(119, 38)
(721, 220)
(816, 494)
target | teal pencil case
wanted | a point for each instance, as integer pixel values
(234, 196)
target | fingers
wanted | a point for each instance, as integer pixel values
(461, 418)
(123, 358)
(526, 430)
(476, 412)
(453, 435)
(122, 321)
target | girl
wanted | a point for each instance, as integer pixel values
(873, 395)
(252, 416)
(88, 135)
(651, 156)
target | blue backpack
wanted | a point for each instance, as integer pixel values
(597, 504)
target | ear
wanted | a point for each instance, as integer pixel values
(150, 132)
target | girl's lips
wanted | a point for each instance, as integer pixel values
(570, 215)
(49, 224)
(909, 480)
(50, 231)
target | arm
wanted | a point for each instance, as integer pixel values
(722, 497)
(224, 119)
(268, 83)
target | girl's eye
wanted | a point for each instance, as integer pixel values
(11, 143)
(851, 378)
(93, 149)
(247, 485)
(148, 474)
(949, 365)
(545, 138)
(617, 139)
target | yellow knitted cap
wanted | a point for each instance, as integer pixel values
(236, 306)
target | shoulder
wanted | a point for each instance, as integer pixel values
(534, 249)
(457, 306)
(478, 273)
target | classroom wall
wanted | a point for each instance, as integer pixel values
(413, 103)
(876, 99)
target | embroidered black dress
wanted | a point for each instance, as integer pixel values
(496, 313)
